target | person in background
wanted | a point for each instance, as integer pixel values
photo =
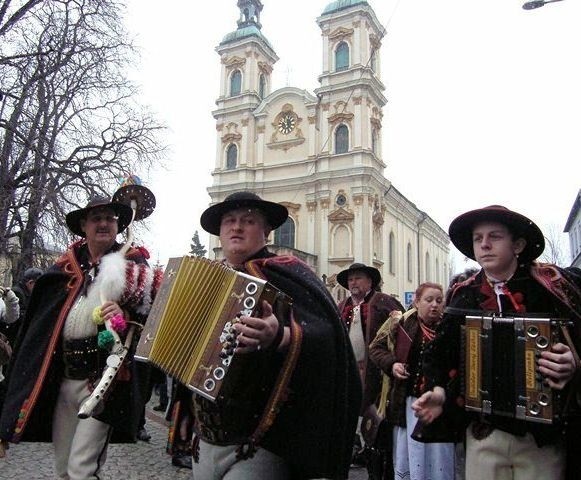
(398, 351)
(9, 314)
(510, 283)
(296, 359)
(22, 290)
(64, 344)
(363, 313)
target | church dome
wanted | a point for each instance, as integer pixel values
(342, 5)
(245, 32)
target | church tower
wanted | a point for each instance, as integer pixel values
(247, 60)
(320, 154)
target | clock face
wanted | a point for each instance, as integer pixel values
(287, 123)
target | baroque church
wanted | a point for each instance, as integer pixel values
(319, 154)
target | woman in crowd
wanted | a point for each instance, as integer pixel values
(397, 350)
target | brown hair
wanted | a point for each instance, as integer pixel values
(424, 286)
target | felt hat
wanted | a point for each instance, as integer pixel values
(461, 228)
(274, 213)
(372, 272)
(123, 211)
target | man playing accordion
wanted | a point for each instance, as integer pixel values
(293, 411)
(510, 284)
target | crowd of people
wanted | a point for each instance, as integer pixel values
(314, 373)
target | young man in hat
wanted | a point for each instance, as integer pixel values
(363, 313)
(63, 349)
(510, 284)
(294, 409)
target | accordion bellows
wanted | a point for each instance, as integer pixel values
(188, 333)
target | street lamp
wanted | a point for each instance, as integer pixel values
(537, 4)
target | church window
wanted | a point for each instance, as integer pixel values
(231, 156)
(437, 271)
(392, 253)
(428, 269)
(341, 139)
(284, 236)
(261, 86)
(235, 83)
(342, 57)
(341, 246)
(409, 263)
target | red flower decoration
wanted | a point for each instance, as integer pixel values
(143, 252)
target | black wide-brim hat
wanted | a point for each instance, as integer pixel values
(274, 213)
(123, 211)
(461, 228)
(343, 275)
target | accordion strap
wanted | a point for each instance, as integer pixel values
(279, 392)
(571, 345)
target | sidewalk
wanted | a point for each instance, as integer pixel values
(139, 461)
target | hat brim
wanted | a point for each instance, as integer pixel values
(124, 212)
(372, 272)
(211, 218)
(460, 231)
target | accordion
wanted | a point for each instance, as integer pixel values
(500, 370)
(188, 333)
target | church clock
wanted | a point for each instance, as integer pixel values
(287, 123)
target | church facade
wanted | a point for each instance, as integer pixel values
(319, 153)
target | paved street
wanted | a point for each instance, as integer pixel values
(140, 461)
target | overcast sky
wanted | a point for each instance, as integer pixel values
(484, 102)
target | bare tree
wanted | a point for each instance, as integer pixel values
(13, 12)
(69, 123)
(555, 247)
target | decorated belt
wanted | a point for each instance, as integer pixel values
(81, 358)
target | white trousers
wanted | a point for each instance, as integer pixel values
(503, 456)
(220, 462)
(80, 446)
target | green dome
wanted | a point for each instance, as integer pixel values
(245, 32)
(342, 5)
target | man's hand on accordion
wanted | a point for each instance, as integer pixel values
(256, 333)
(557, 366)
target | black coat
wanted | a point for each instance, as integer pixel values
(313, 420)
(37, 369)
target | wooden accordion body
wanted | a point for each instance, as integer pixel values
(500, 366)
(188, 333)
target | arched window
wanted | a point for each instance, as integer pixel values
(341, 57)
(409, 263)
(261, 86)
(428, 269)
(341, 139)
(284, 235)
(437, 279)
(374, 141)
(231, 156)
(392, 253)
(235, 83)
